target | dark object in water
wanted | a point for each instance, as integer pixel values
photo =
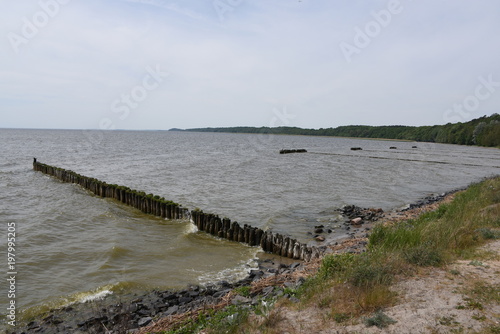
(356, 148)
(293, 151)
(393, 148)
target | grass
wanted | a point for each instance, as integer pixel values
(355, 285)
(380, 320)
(227, 321)
(481, 292)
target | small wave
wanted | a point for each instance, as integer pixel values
(93, 295)
(229, 274)
(191, 228)
(62, 302)
(117, 252)
(96, 296)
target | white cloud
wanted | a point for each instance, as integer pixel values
(234, 71)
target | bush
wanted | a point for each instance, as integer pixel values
(336, 265)
(380, 320)
(424, 255)
(369, 272)
(487, 233)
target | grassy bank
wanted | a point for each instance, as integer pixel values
(354, 285)
(358, 286)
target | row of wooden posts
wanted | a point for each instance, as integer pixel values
(147, 203)
(270, 242)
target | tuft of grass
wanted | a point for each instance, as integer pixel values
(369, 273)
(341, 317)
(336, 265)
(227, 320)
(488, 233)
(380, 320)
(484, 292)
(494, 330)
(243, 290)
(424, 255)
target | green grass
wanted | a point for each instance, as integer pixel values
(356, 284)
(227, 321)
(243, 290)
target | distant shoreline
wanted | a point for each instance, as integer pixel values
(483, 131)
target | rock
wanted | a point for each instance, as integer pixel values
(356, 221)
(267, 290)
(238, 300)
(185, 300)
(194, 293)
(318, 230)
(169, 296)
(172, 310)
(143, 312)
(221, 293)
(224, 284)
(319, 238)
(300, 281)
(144, 321)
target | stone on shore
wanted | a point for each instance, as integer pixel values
(356, 221)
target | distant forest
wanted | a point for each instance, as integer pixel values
(483, 131)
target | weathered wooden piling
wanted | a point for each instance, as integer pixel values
(207, 222)
(146, 203)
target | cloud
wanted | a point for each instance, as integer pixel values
(233, 69)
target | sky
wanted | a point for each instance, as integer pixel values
(161, 64)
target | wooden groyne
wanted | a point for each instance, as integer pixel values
(270, 242)
(147, 203)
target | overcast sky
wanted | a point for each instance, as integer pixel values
(159, 64)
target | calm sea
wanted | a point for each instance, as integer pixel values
(72, 246)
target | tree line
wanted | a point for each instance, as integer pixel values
(483, 131)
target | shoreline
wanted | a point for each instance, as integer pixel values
(274, 274)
